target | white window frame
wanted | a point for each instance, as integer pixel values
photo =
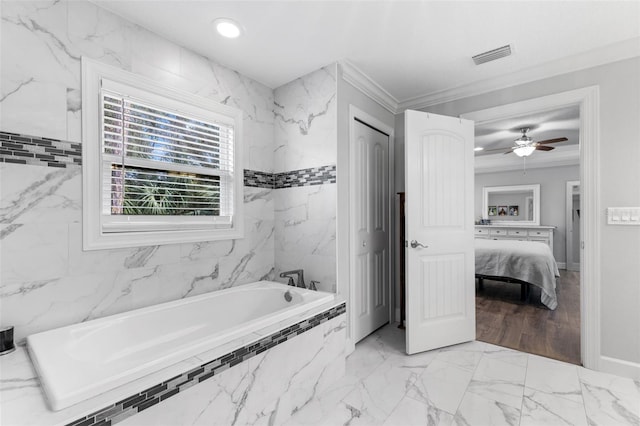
(103, 232)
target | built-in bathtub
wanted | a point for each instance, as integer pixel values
(80, 361)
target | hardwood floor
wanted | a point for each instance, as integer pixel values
(502, 319)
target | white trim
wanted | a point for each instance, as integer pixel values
(562, 156)
(620, 367)
(355, 112)
(367, 86)
(588, 99)
(562, 265)
(93, 235)
(568, 217)
(619, 51)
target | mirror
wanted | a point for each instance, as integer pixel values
(511, 205)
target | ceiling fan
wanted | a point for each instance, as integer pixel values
(524, 145)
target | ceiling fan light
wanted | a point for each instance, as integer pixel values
(524, 151)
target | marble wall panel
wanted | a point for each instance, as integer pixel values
(306, 137)
(306, 121)
(47, 280)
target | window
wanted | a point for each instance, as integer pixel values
(159, 166)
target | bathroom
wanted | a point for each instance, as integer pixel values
(289, 164)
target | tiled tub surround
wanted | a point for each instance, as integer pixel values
(46, 279)
(263, 376)
(306, 140)
(82, 360)
(42, 43)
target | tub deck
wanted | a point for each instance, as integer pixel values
(26, 403)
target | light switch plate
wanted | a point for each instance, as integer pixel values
(623, 215)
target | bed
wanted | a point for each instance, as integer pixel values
(523, 262)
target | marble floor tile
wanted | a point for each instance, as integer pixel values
(554, 377)
(466, 355)
(441, 386)
(476, 410)
(410, 412)
(609, 399)
(541, 408)
(505, 354)
(471, 384)
(500, 381)
(383, 389)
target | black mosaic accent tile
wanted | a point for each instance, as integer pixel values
(304, 177)
(258, 179)
(49, 152)
(126, 407)
(38, 151)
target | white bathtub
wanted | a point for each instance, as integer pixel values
(80, 361)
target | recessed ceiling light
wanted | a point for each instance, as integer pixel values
(228, 27)
(478, 148)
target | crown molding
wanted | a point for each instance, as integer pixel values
(366, 85)
(562, 156)
(611, 53)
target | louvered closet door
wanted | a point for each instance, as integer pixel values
(440, 300)
(371, 223)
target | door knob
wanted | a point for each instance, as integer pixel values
(415, 244)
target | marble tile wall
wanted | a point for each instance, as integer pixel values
(266, 389)
(306, 137)
(46, 279)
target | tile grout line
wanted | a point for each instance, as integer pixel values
(524, 386)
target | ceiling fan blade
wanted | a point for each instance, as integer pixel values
(497, 149)
(544, 148)
(556, 140)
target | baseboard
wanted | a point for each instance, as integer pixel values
(562, 265)
(619, 367)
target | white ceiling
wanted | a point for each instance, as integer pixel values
(409, 48)
(563, 122)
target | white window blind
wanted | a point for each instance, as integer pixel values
(163, 166)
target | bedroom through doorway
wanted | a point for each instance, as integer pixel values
(515, 308)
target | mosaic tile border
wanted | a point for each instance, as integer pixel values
(134, 404)
(258, 179)
(305, 177)
(38, 151)
(33, 150)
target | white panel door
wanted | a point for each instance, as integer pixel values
(440, 263)
(370, 222)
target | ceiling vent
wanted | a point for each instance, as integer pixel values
(492, 55)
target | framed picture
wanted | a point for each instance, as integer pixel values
(503, 210)
(513, 210)
(493, 211)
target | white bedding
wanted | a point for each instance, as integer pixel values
(528, 261)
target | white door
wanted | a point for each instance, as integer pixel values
(440, 263)
(371, 227)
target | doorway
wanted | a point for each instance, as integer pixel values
(370, 219)
(587, 99)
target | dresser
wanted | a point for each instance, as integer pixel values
(543, 234)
